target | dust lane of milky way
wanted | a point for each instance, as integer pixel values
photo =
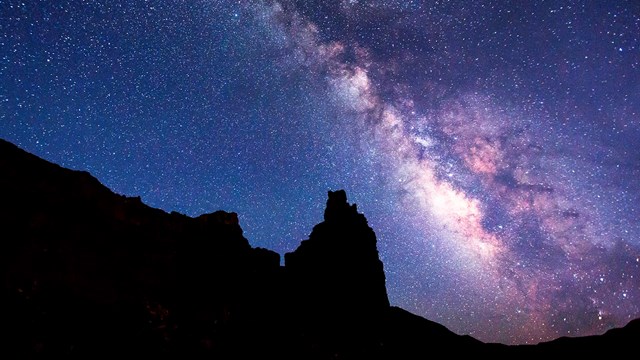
(492, 145)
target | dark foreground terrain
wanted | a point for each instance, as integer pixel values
(86, 272)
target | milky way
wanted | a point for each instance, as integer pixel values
(492, 146)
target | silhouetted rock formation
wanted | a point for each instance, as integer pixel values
(339, 265)
(87, 272)
(338, 292)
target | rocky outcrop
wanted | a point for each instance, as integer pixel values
(338, 266)
(89, 273)
(337, 283)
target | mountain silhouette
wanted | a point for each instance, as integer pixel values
(87, 272)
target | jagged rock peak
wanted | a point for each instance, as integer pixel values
(338, 208)
(338, 266)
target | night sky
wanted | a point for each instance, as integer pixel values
(494, 146)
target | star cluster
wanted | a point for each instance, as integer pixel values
(491, 144)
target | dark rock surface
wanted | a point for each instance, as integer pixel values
(336, 280)
(86, 272)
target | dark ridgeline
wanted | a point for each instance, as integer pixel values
(87, 272)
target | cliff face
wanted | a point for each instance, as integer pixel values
(338, 269)
(336, 282)
(88, 272)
